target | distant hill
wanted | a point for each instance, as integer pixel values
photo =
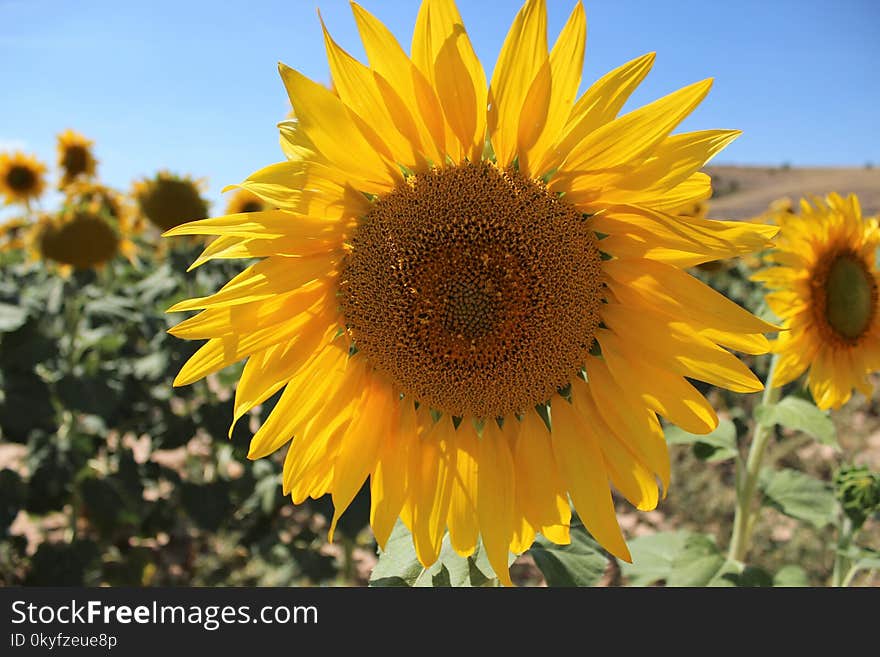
(743, 192)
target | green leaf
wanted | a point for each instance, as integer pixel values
(719, 445)
(865, 559)
(791, 576)
(799, 415)
(798, 495)
(752, 577)
(398, 565)
(680, 558)
(11, 317)
(581, 563)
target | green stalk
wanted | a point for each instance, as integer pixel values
(747, 481)
(840, 576)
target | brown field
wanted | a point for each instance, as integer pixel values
(746, 191)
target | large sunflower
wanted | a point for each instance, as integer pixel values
(75, 157)
(22, 177)
(474, 296)
(826, 292)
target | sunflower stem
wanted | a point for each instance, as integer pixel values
(747, 481)
(840, 577)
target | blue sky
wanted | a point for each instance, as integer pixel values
(192, 85)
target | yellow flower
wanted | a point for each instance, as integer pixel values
(825, 290)
(98, 198)
(13, 234)
(245, 201)
(474, 296)
(21, 177)
(168, 200)
(75, 158)
(81, 239)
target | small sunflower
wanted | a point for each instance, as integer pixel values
(98, 198)
(75, 158)
(168, 200)
(22, 177)
(474, 295)
(698, 209)
(14, 233)
(245, 201)
(825, 290)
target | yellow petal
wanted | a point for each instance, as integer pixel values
(443, 52)
(676, 293)
(305, 393)
(581, 465)
(495, 504)
(521, 57)
(638, 232)
(267, 278)
(266, 225)
(539, 491)
(249, 317)
(357, 88)
(362, 443)
(635, 425)
(217, 353)
(677, 347)
(328, 125)
(676, 159)
(389, 482)
(598, 106)
(310, 187)
(431, 459)
(464, 525)
(390, 62)
(266, 372)
(668, 394)
(631, 138)
(624, 464)
(566, 63)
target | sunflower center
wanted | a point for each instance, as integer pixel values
(76, 160)
(169, 203)
(251, 206)
(21, 178)
(850, 296)
(474, 289)
(84, 241)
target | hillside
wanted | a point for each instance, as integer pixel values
(744, 192)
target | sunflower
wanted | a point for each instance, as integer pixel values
(168, 200)
(75, 158)
(21, 177)
(13, 234)
(88, 232)
(98, 197)
(245, 201)
(474, 296)
(825, 286)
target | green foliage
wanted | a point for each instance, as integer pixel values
(791, 576)
(126, 480)
(799, 415)
(399, 566)
(719, 445)
(680, 558)
(581, 563)
(798, 495)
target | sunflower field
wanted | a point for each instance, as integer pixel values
(472, 329)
